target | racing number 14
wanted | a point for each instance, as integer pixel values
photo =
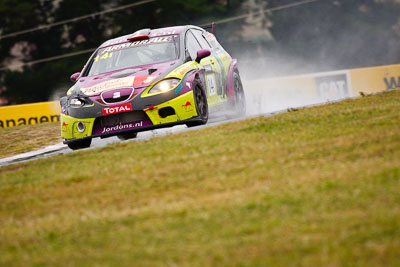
(105, 56)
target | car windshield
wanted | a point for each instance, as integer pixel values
(132, 54)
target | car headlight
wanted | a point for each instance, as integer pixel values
(164, 86)
(79, 102)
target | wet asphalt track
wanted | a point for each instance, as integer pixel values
(97, 142)
(258, 102)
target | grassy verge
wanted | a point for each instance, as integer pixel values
(20, 139)
(315, 187)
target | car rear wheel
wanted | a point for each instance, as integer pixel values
(200, 101)
(127, 136)
(85, 143)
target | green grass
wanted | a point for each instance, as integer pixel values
(20, 139)
(315, 187)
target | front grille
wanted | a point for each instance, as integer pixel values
(115, 100)
(125, 117)
(117, 95)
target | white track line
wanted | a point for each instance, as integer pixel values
(32, 154)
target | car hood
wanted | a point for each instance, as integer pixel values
(137, 77)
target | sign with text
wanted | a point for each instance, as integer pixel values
(375, 79)
(29, 114)
(333, 87)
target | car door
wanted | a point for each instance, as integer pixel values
(221, 56)
(212, 70)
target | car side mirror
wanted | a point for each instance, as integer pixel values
(75, 76)
(202, 54)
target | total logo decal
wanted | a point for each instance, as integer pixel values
(117, 109)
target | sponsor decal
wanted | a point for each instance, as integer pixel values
(333, 86)
(188, 106)
(122, 127)
(149, 79)
(164, 33)
(117, 109)
(143, 80)
(156, 40)
(183, 71)
(109, 85)
(209, 35)
(392, 82)
(179, 88)
(64, 126)
(211, 84)
(208, 67)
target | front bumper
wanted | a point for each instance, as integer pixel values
(179, 110)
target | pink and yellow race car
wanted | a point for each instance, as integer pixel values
(151, 79)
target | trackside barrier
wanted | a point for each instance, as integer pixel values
(26, 114)
(373, 80)
(268, 95)
(263, 95)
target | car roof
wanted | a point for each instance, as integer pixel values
(151, 32)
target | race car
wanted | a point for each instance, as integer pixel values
(151, 79)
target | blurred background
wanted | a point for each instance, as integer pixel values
(42, 42)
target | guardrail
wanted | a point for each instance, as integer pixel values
(294, 91)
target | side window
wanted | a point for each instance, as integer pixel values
(192, 46)
(199, 36)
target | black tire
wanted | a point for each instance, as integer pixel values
(85, 143)
(238, 105)
(127, 136)
(200, 101)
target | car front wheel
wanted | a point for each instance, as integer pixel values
(200, 101)
(126, 136)
(79, 144)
